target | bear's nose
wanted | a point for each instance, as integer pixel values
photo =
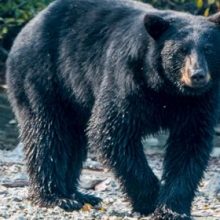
(198, 78)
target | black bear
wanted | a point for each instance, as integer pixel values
(105, 74)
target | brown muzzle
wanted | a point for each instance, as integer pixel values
(195, 72)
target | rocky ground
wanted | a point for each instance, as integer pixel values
(97, 180)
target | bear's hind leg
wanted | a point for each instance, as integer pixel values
(55, 148)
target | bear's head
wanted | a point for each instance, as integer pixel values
(185, 51)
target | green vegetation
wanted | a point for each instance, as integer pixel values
(202, 7)
(15, 13)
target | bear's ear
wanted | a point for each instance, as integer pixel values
(155, 25)
(215, 18)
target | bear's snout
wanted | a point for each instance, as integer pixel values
(199, 78)
(195, 73)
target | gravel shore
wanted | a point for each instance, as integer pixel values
(96, 179)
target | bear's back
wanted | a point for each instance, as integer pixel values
(44, 45)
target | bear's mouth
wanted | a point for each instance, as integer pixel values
(195, 89)
(196, 86)
(195, 78)
(196, 83)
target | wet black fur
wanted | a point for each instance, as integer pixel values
(91, 72)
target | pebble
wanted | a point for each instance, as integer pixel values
(18, 217)
(3, 192)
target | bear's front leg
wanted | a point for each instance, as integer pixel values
(186, 159)
(116, 129)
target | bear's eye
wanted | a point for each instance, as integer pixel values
(208, 49)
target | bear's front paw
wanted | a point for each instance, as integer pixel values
(71, 203)
(66, 203)
(167, 214)
(87, 198)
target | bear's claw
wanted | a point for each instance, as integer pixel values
(69, 204)
(87, 198)
(167, 214)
